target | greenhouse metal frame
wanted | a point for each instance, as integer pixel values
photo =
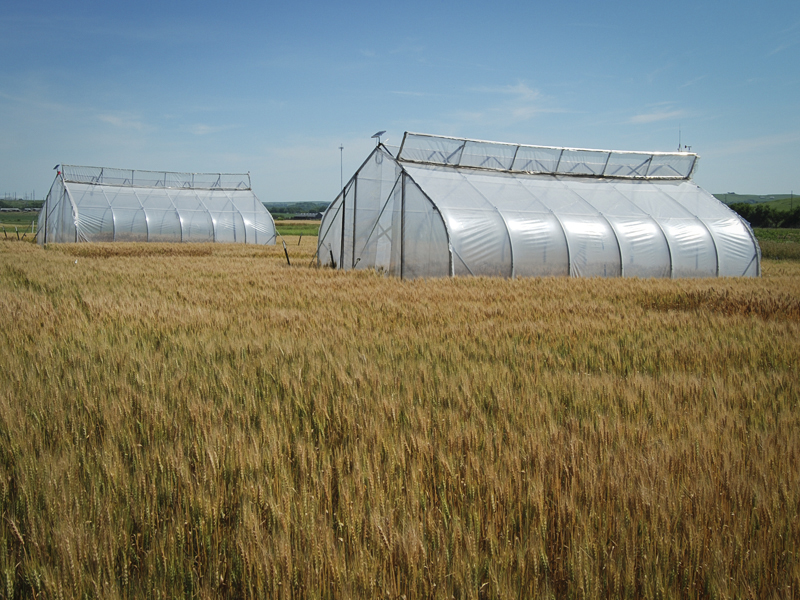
(443, 206)
(99, 204)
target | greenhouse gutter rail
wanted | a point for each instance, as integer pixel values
(134, 178)
(689, 158)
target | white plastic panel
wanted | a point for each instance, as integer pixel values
(424, 251)
(627, 164)
(156, 179)
(693, 251)
(532, 159)
(488, 156)
(555, 196)
(198, 226)
(164, 226)
(643, 247)
(97, 224)
(538, 243)
(229, 226)
(65, 220)
(396, 233)
(130, 225)
(480, 243)
(478, 235)
(378, 181)
(124, 213)
(735, 243)
(436, 150)
(346, 252)
(507, 192)
(672, 165)
(330, 234)
(582, 162)
(187, 201)
(90, 198)
(593, 248)
(257, 231)
(737, 252)
(540, 247)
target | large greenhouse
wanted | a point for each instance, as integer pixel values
(442, 206)
(95, 204)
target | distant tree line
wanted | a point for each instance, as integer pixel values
(294, 208)
(760, 215)
(21, 204)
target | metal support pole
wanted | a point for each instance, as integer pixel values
(402, 225)
(344, 218)
(355, 204)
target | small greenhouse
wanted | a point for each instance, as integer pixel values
(95, 204)
(442, 206)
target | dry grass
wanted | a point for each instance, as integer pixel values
(208, 421)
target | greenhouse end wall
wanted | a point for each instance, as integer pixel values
(382, 220)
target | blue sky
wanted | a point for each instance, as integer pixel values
(275, 88)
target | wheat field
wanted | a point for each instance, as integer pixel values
(203, 421)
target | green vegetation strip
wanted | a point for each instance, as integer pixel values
(310, 228)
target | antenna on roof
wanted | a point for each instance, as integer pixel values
(341, 168)
(378, 136)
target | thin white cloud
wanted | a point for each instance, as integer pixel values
(203, 129)
(414, 94)
(784, 46)
(789, 31)
(521, 103)
(520, 90)
(693, 81)
(748, 146)
(654, 117)
(409, 46)
(122, 120)
(470, 116)
(655, 73)
(33, 99)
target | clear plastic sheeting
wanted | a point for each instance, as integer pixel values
(156, 179)
(425, 252)
(478, 235)
(438, 150)
(92, 204)
(458, 207)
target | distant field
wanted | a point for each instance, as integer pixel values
(779, 243)
(785, 203)
(779, 201)
(297, 227)
(206, 421)
(20, 219)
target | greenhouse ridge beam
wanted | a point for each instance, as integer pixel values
(422, 148)
(157, 179)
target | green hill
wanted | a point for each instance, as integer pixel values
(776, 201)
